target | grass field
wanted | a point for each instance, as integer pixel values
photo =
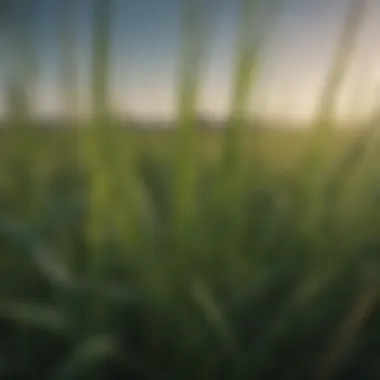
(281, 285)
(192, 253)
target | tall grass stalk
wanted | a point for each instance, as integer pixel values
(340, 62)
(233, 170)
(99, 190)
(24, 63)
(320, 152)
(117, 200)
(185, 161)
(111, 153)
(23, 79)
(323, 125)
(245, 69)
(69, 57)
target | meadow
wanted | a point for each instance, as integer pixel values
(241, 253)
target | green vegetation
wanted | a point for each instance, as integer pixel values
(185, 254)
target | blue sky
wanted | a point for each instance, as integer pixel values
(145, 50)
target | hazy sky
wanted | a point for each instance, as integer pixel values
(145, 48)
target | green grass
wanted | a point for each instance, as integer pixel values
(185, 254)
(163, 313)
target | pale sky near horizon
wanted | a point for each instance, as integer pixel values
(145, 47)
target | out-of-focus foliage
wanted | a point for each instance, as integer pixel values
(184, 254)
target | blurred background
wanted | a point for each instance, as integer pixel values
(189, 189)
(298, 43)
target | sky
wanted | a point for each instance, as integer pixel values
(145, 41)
